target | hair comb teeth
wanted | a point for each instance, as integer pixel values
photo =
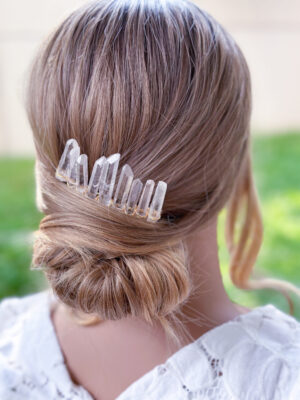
(130, 195)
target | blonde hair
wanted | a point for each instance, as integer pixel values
(162, 83)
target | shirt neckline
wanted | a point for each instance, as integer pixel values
(60, 378)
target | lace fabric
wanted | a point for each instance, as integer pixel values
(255, 356)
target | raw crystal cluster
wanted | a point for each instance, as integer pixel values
(130, 196)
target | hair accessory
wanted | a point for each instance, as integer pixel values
(130, 196)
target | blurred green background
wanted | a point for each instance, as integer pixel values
(276, 172)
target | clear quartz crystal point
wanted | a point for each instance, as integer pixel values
(143, 205)
(82, 173)
(72, 166)
(157, 202)
(134, 194)
(102, 180)
(107, 184)
(122, 191)
(95, 178)
(63, 166)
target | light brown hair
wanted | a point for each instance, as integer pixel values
(163, 84)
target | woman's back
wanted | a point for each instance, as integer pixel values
(254, 356)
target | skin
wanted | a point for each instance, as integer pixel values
(106, 358)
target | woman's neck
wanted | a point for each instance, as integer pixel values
(210, 303)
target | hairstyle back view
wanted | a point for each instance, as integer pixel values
(164, 85)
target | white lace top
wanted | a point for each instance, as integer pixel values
(255, 356)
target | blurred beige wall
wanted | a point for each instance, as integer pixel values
(268, 31)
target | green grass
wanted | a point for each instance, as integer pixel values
(18, 218)
(276, 172)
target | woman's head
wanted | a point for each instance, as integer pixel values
(163, 84)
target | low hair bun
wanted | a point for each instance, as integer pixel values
(150, 286)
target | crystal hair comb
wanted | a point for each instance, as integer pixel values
(130, 196)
